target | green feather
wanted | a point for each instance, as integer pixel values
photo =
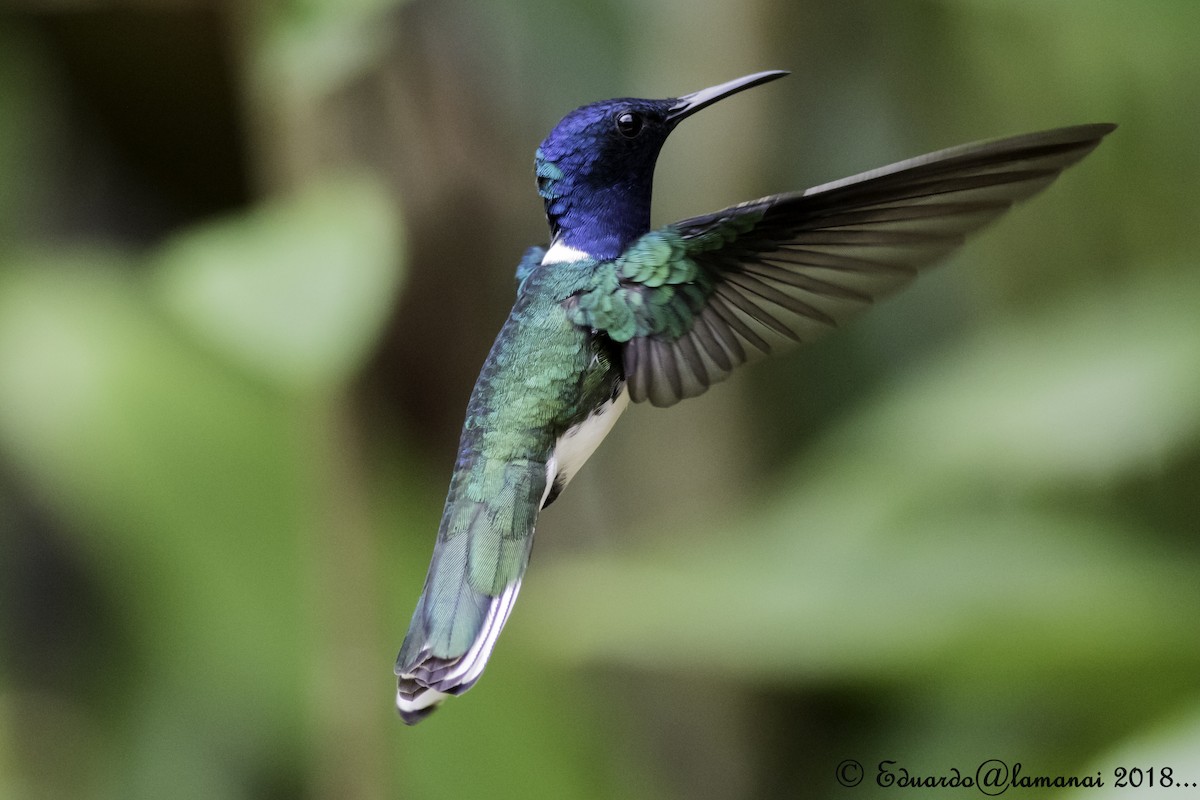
(545, 373)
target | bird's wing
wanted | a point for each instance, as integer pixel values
(693, 300)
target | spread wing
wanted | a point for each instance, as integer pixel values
(693, 300)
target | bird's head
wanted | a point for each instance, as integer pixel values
(596, 168)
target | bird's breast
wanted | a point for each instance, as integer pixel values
(576, 445)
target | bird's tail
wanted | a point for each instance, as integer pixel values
(481, 552)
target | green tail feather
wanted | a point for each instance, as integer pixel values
(481, 553)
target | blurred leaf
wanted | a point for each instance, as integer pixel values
(1100, 389)
(197, 495)
(192, 480)
(295, 292)
(998, 597)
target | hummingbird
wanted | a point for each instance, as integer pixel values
(614, 311)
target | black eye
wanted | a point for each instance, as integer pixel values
(629, 124)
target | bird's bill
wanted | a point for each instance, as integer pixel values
(691, 103)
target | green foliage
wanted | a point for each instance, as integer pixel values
(295, 293)
(195, 486)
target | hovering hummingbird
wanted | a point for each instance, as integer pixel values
(614, 311)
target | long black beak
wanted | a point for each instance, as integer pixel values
(691, 103)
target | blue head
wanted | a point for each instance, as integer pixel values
(595, 170)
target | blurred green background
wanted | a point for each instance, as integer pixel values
(252, 256)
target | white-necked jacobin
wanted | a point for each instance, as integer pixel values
(613, 311)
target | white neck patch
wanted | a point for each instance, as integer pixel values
(560, 253)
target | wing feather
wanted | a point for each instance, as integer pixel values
(743, 282)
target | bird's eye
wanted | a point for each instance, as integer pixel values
(629, 124)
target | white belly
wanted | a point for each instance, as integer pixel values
(578, 443)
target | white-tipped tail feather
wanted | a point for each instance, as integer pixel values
(424, 680)
(432, 679)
